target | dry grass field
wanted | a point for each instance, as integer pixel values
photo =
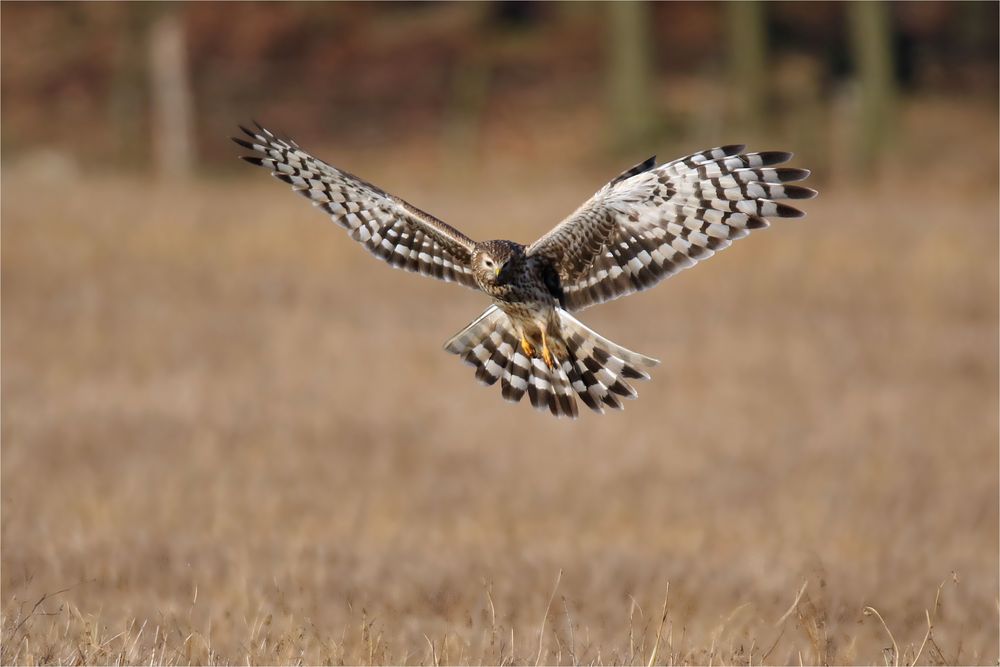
(230, 436)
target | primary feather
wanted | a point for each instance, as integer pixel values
(388, 227)
(654, 221)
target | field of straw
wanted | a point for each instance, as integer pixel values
(231, 436)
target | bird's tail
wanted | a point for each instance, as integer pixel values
(586, 364)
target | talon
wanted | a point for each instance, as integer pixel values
(528, 349)
(547, 357)
(546, 353)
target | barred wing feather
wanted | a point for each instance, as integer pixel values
(653, 221)
(388, 227)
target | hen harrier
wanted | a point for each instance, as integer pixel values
(648, 223)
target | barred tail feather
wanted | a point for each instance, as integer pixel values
(602, 368)
(550, 388)
(481, 344)
(514, 382)
(491, 345)
(592, 368)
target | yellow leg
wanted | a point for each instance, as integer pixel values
(527, 347)
(546, 353)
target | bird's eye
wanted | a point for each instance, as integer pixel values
(489, 262)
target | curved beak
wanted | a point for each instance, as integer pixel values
(497, 271)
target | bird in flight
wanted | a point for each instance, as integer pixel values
(648, 223)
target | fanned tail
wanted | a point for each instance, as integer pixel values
(491, 345)
(602, 369)
(591, 366)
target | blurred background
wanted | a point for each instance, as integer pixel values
(230, 435)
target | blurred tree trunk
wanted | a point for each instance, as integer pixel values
(747, 63)
(805, 119)
(127, 99)
(173, 122)
(976, 22)
(630, 72)
(470, 84)
(871, 40)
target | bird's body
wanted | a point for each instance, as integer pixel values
(527, 290)
(645, 225)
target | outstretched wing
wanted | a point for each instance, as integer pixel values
(388, 227)
(653, 221)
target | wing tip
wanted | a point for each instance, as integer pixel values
(791, 174)
(260, 127)
(786, 211)
(247, 131)
(775, 157)
(799, 192)
(242, 142)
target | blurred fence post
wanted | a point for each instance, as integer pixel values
(173, 128)
(630, 71)
(872, 46)
(747, 57)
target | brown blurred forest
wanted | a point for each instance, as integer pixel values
(525, 79)
(230, 436)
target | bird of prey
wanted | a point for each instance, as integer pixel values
(648, 223)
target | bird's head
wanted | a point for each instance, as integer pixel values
(491, 261)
